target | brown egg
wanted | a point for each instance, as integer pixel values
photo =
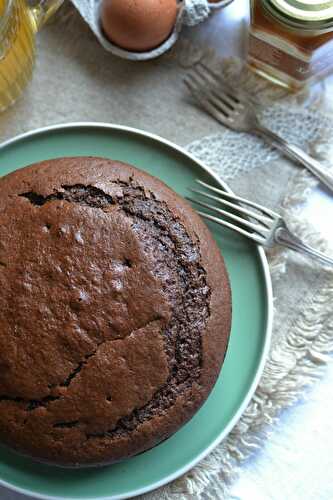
(138, 25)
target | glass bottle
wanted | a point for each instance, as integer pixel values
(19, 23)
(291, 41)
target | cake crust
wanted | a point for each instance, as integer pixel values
(115, 311)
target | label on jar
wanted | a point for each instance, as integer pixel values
(287, 58)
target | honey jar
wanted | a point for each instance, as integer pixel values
(291, 41)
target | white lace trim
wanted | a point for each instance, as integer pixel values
(231, 153)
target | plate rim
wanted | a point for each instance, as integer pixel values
(269, 312)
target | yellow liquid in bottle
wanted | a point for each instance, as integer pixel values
(17, 50)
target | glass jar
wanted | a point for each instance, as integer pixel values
(291, 41)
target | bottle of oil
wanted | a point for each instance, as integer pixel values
(19, 23)
(291, 41)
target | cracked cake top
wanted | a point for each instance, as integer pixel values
(114, 311)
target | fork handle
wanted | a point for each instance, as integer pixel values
(296, 153)
(283, 236)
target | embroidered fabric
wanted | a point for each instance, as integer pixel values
(230, 153)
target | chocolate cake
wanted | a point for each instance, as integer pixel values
(114, 311)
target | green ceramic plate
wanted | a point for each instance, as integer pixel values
(252, 317)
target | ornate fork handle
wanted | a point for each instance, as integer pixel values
(296, 153)
(283, 236)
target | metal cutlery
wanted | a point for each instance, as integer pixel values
(233, 109)
(262, 225)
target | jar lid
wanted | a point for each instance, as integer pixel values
(305, 14)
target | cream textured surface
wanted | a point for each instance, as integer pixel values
(75, 79)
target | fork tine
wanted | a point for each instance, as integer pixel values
(205, 103)
(255, 227)
(206, 70)
(219, 102)
(219, 88)
(252, 204)
(206, 99)
(210, 85)
(236, 98)
(220, 96)
(237, 229)
(260, 218)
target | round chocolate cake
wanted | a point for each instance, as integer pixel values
(114, 311)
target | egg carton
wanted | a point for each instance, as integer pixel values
(219, 5)
(191, 12)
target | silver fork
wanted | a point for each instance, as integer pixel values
(233, 109)
(263, 226)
